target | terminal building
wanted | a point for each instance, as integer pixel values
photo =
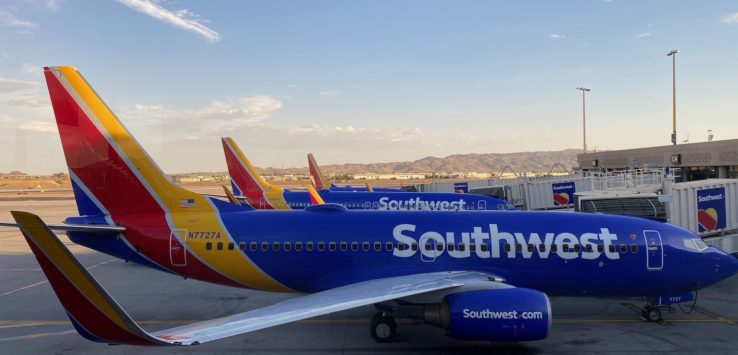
(688, 162)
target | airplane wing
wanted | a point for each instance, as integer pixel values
(98, 317)
(63, 227)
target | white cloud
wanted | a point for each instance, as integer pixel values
(644, 34)
(32, 70)
(329, 93)
(731, 18)
(22, 93)
(294, 86)
(183, 19)
(7, 19)
(556, 36)
(38, 126)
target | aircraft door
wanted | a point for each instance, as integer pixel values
(177, 250)
(431, 246)
(482, 205)
(654, 250)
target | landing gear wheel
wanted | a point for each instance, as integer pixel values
(383, 328)
(651, 314)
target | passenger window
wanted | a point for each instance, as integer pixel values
(414, 246)
(377, 246)
(530, 248)
(389, 246)
(542, 248)
(242, 246)
(472, 247)
(633, 248)
(439, 246)
(332, 246)
(565, 248)
(462, 246)
(264, 246)
(309, 246)
(600, 248)
(623, 248)
(588, 248)
(252, 246)
(365, 246)
(484, 247)
(577, 248)
(208, 246)
(506, 247)
(230, 245)
(450, 246)
(344, 246)
(287, 246)
(354, 246)
(518, 248)
(298, 246)
(321, 246)
(401, 246)
(219, 246)
(428, 246)
(275, 246)
(611, 248)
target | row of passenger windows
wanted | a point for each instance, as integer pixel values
(388, 246)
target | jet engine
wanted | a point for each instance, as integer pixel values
(511, 314)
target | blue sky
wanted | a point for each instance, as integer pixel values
(369, 81)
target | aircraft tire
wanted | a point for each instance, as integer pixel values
(383, 328)
(651, 314)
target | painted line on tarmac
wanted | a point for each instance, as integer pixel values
(34, 336)
(47, 281)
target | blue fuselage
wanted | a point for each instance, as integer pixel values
(411, 201)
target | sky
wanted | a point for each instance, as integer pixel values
(369, 81)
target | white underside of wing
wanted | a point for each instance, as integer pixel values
(316, 304)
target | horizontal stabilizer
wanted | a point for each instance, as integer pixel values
(63, 227)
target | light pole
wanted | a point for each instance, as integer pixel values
(584, 117)
(672, 54)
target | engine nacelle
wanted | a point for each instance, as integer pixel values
(511, 314)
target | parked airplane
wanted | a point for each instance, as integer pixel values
(321, 182)
(260, 194)
(479, 275)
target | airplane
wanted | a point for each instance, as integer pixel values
(321, 182)
(481, 275)
(260, 194)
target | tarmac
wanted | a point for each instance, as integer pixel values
(32, 320)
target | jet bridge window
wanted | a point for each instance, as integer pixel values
(219, 246)
(275, 246)
(309, 246)
(264, 246)
(634, 248)
(208, 246)
(321, 246)
(287, 246)
(298, 246)
(354, 246)
(344, 246)
(365, 246)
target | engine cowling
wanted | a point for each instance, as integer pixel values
(511, 314)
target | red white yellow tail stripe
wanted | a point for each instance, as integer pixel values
(316, 175)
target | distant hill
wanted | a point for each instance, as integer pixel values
(492, 162)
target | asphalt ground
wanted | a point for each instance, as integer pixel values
(32, 320)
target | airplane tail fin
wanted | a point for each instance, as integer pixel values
(93, 312)
(111, 173)
(316, 175)
(368, 187)
(315, 198)
(230, 196)
(259, 193)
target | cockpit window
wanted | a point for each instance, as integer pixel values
(695, 244)
(699, 244)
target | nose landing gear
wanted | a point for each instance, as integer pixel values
(651, 313)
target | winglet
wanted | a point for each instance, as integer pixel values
(230, 196)
(316, 175)
(368, 187)
(315, 199)
(94, 313)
